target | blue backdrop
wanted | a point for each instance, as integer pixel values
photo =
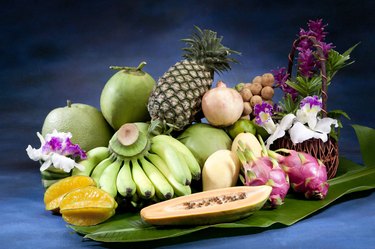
(52, 51)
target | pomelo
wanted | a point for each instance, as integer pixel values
(125, 95)
(86, 123)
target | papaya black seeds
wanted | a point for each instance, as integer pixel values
(217, 200)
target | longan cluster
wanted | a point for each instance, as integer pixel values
(259, 90)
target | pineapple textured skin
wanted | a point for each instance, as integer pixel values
(176, 100)
(177, 96)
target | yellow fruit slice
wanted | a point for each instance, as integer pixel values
(208, 207)
(87, 206)
(55, 193)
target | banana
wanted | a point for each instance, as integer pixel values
(179, 189)
(88, 166)
(124, 182)
(163, 189)
(174, 160)
(145, 189)
(94, 156)
(99, 169)
(107, 180)
(191, 161)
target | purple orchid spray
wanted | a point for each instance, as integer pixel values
(281, 76)
(308, 62)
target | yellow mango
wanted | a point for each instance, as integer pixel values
(249, 141)
(220, 170)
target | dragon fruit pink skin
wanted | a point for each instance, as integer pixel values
(265, 171)
(307, 174)
(280, 185)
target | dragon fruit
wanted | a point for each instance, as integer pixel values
(264, 171)
(307, 174)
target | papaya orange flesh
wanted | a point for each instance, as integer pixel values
(208, 207)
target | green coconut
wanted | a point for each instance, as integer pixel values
(204, 139)
(125, 95)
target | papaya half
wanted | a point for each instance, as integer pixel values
(208, 207)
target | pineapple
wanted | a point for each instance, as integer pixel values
(176, 99)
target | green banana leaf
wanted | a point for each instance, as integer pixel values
(129, 227)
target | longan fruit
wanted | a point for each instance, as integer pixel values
(267, 79)
(267, 92)
(257, 79)
(247, 85)
(247, 109)
(246, 94)
(256, 88)
(256, 99)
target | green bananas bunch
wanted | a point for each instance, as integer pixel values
(138, 167)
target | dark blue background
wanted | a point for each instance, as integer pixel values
(51, 51)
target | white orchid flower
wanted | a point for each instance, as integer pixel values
(263, 118)
(318, 128)
(309, 109)
(57, 150)
(284, 125)
(296, 124)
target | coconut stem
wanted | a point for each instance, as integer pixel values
(128, 134)
(141, 65)
(139, 68)
(68, 103)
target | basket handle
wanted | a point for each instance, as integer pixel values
(321, 58)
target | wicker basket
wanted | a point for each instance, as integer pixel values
(327, 152)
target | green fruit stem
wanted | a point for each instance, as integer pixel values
(264, 149)
(128, 134)
(68, 103)
(129, 143)
(131, 69)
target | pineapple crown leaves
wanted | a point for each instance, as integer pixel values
(206, 49)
